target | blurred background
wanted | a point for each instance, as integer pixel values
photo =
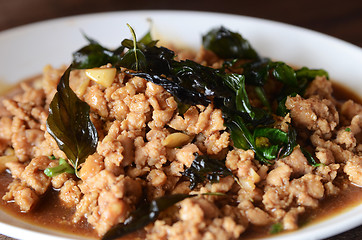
(341, 19)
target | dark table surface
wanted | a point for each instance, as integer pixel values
(341, 19)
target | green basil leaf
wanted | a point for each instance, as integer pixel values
(273, 134)
(278, 140)
(262, 97)
(284, 73)
(203, 79)
(282, 110)
(242, 137)
(69, 123)
(182, 94)
(310, 74)
(93, 55)
(145, 42)
(233, 80)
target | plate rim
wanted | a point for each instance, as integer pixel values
(40, 24)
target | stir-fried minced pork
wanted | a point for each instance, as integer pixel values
(133, 161)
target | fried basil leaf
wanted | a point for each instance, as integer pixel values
(133, 59)
(283, 73)
(291, 142)
(309, 157)
(228, 45)
(203, 79)
(256, 72)
(144, 215)
(310, 74)
(69, 123)
(205, 168)
(95, 55)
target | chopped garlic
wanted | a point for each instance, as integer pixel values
(176, 140)
(103, 76)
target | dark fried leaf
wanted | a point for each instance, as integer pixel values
(291, 143)
(228, 45)
(309, 157)
(144, 215)
(257, 72)
(233, 81)
(182, 94)
(205, 168)
(242, 101)
(145, 42)
(205, 80)
(241, 136)
(133, 59)
(69, 123)
(95, 55)
(283, 73)
(159, 60)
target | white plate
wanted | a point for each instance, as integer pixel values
(26, 50)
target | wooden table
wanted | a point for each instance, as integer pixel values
(341, 19)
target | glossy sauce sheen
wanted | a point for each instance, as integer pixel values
(49, 212)
(52, 214)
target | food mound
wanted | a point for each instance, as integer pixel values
(141, 140)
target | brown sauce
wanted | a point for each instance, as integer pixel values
(328, 208)
(52, 214)
(49, 212)
(343, 93)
